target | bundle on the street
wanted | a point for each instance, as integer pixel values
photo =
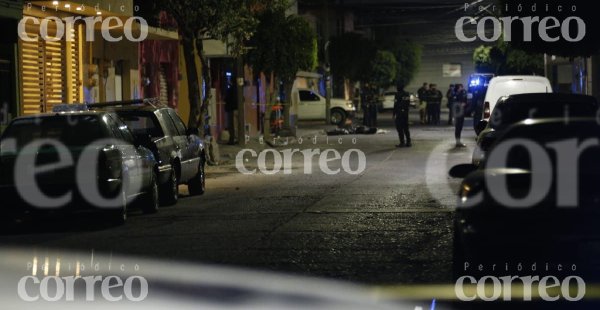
(352, 130)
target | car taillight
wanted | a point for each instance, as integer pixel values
(486, 110)
(109, 164)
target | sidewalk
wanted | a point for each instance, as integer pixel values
(228, 153)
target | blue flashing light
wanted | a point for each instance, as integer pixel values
(228, 74)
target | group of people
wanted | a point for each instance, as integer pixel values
(430, 104)
(430, 109)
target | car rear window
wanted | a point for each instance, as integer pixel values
(508, 112)
(142, 123)
(71, 130)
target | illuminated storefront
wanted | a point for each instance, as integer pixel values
(84, 51)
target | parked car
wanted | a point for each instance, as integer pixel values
(501, 86)
(387, 99)
(311, 106)
(532, 208)
(60, 143)
(179, 151)
(515, 108)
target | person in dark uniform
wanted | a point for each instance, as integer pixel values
(422, 94)
(434, 101)
(373, 107)
(459, 113)
(400, 115)
(364, 103)
(230, 107)
(451, 96)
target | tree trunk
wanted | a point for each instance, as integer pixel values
(206, 77)
(287, 88)
(192, 78)
(268, 109)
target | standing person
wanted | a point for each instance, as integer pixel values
(451, 96)
(433, 104)
(230, 107)
(400, 115)
(364, 103)
(422, 93)
(373, 107)
(459, 113)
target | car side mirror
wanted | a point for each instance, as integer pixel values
(462, 170)
(480, 126)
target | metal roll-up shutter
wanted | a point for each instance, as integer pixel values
(50, 70)
(164, 92)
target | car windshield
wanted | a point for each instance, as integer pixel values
(141, 123)
(66, 129)
(545, 135)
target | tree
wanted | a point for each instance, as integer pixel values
(350, 56)
(282, 46)
(503, 59)
(383, 69)
(408, 56)
(490, 59)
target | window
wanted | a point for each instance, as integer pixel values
(142, 124)
(177, 121)
(306, 95)
(124, 130)
(112, 125)
(168, 123)
(66, 129)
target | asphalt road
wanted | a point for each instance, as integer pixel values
(389, 224)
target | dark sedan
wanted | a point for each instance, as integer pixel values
(179, 151)
(534, 201)
(69, 161)
(515, 108)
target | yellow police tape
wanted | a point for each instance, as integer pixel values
(448, 292)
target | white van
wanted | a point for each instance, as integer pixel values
(501, 86)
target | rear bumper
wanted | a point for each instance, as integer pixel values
(53, 198)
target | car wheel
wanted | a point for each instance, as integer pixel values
(150, 201)
(197, 185)
(338, 117)
(170, 192)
